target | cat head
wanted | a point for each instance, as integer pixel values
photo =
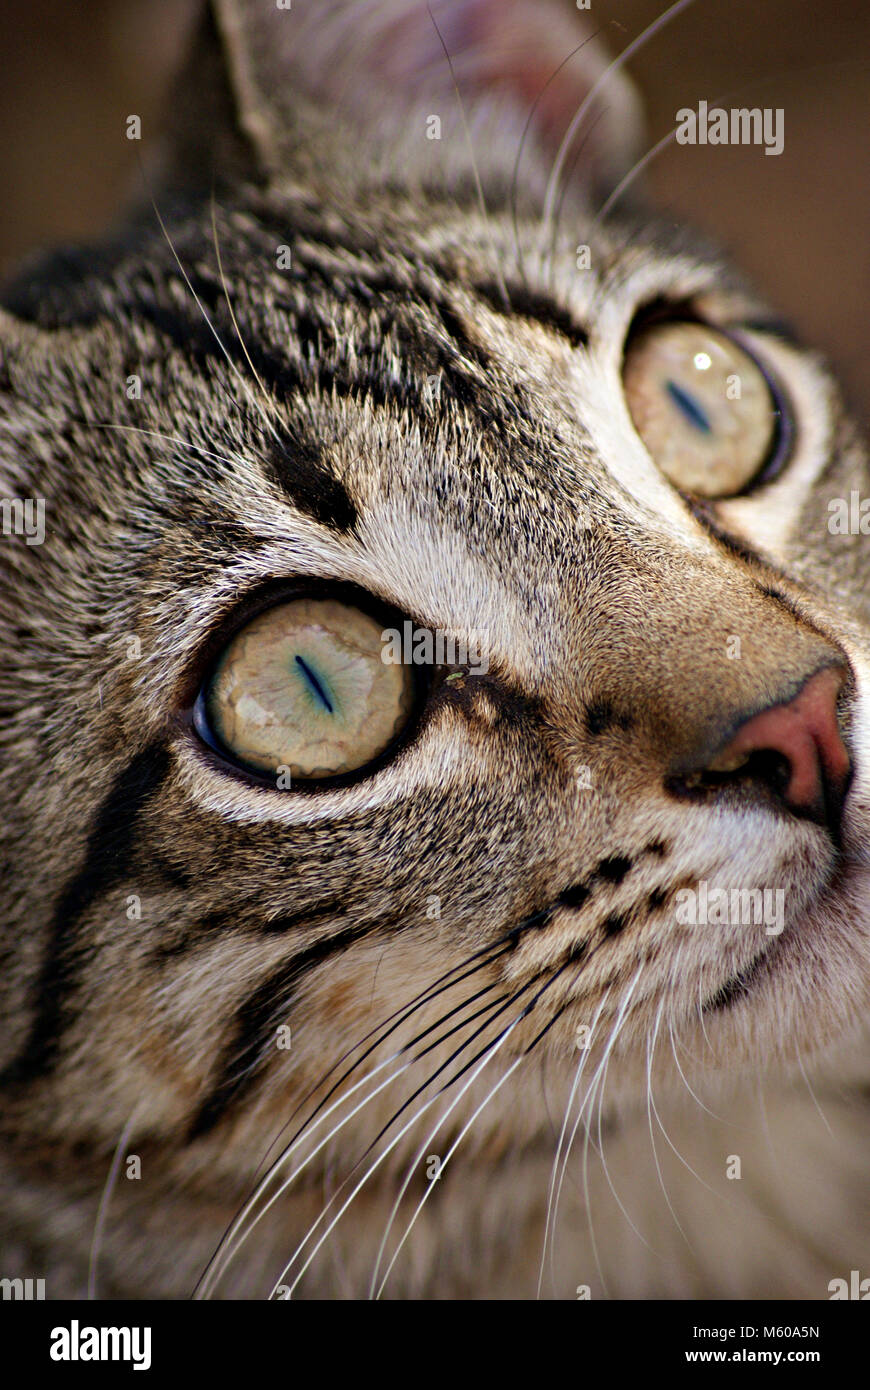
(394, 383)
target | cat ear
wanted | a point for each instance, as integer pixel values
(405, 91)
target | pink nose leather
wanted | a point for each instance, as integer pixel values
(806, 733)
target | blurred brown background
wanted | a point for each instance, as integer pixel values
(799, 222)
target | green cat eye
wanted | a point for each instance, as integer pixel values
(702, 406)
(302, 692)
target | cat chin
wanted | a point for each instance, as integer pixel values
(808, 996)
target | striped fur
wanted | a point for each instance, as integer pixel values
(474, 903)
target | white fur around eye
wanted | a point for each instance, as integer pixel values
(702, 407)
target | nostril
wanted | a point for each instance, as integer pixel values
(793, 751)
(762, 765)
(796, 749)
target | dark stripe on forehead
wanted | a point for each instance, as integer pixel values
(146, 299)
(392, 312)
(320, 363)
(402, 277)
(294, 463)
(530, 304)
(432, 331)
(110, 850)
(298, 468)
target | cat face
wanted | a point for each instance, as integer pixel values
(401, 411)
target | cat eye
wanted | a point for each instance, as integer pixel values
(302, 692)
(704, 408)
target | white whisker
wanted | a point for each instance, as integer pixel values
(362, 1182)
(232, 1239)
(103, 1209)
(606, 1170)
(695, 1097)
(236, 1236)
(701, 1018)
(454, 1146)
(568, 1108)
(398, 1137)
(813, 1096)
(475, 170)
(252, 400)
(589, 1098)
(168, 439)
(648, 33)
(270, 405)
(650, 1051)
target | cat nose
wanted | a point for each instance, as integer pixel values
(796, 748)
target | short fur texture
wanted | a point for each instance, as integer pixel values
(426, 404)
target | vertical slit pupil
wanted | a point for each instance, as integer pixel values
(314, 683)
(689, 407)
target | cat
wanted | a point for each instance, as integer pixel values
(544, 973)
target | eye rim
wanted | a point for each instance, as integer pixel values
(273, 594)
(780, 451)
